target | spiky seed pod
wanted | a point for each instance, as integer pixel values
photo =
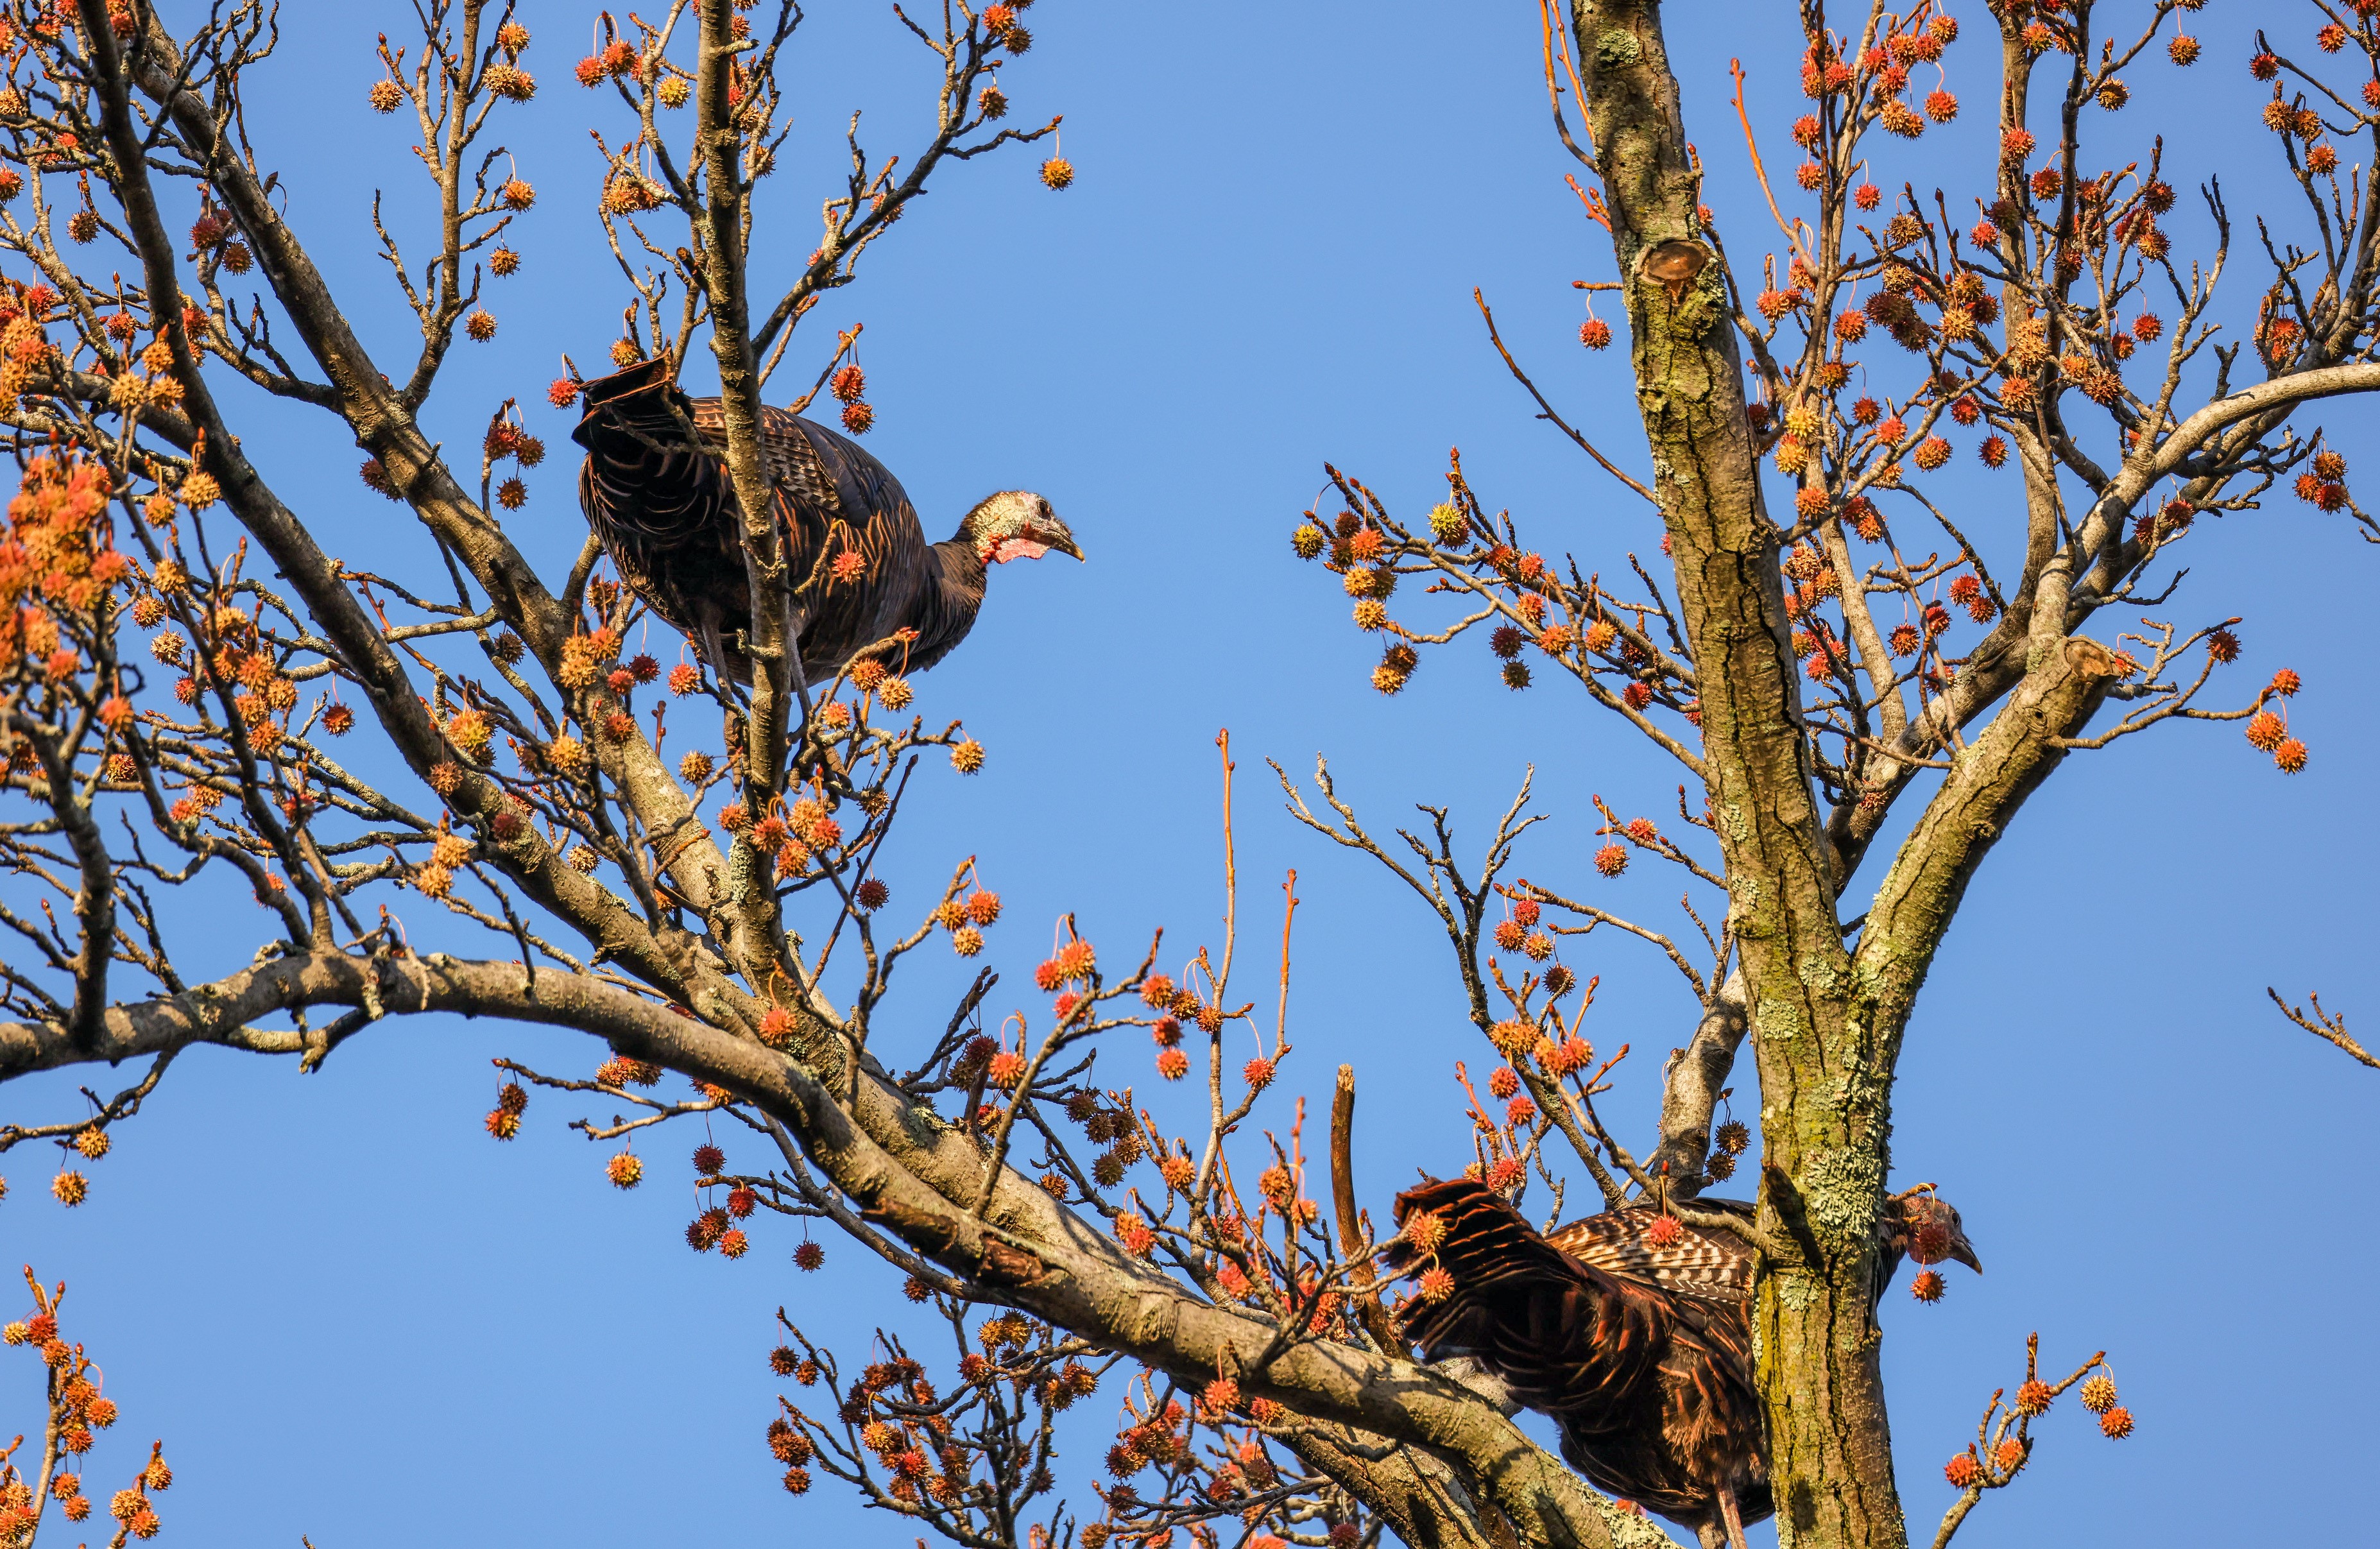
(1513, 1036)
(1964, 1472)
(1733, 1137)
(1928, 1286)
(2034, 1397)
(2291, 757)
(385, 96)
(2099, 1394)
(1611, 860)
(967, 757)
(510, 83)
(776, 1027)
(2266, 731)
(1595, 333)
(1057, 173)
(2115, 1424)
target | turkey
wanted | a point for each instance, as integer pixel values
(656, 491)
(1641, 1350)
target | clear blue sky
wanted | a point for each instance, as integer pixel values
(351, 1315)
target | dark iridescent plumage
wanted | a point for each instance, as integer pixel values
(1651, 1385)
(1641, 1353)
(656, 490)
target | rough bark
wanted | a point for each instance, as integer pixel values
(1825, 1107)
(1826, 1021)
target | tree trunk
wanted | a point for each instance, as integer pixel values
(1825, 1114)
(1826, 1023)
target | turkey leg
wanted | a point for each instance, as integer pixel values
(1734, 1518)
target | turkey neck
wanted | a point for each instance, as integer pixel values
(947, 611)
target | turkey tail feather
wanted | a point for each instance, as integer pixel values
(646, 476)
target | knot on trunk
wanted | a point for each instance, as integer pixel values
(1674, 265)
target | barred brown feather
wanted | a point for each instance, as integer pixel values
(1715, 1266)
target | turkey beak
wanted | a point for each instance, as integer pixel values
(1964, 1251)
(1064, 543)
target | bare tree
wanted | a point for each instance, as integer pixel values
(686, 912)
